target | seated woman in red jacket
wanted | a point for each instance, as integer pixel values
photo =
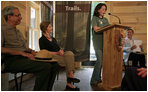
(64, 58)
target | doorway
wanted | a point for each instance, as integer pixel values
(92, 59)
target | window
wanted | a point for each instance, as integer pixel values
(32, 17)
(34, 31)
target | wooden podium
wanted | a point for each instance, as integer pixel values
(112, 56)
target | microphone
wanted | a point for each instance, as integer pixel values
(116, 17)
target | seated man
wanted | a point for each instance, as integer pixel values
(129, 54)
(17, 59)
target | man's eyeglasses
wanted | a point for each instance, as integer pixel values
(19, 15)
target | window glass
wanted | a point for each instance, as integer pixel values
(32, 17)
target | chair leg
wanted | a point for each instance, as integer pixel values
(21, 81)
(16, 84)
(58, 75)
(124, 64)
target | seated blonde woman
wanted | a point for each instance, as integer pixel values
(64, 58)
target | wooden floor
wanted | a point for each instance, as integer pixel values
(84, 74)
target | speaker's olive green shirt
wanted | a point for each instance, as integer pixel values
(98, 37)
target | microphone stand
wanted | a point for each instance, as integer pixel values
(116, 17)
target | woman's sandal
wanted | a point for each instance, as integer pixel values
(74, 80)
(72, 89)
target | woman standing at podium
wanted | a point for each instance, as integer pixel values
(98, 21)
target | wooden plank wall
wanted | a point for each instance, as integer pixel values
(133, 14)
